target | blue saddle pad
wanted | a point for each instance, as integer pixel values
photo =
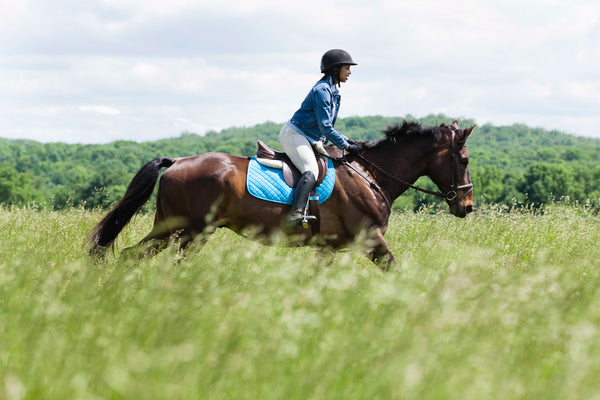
(267, 183)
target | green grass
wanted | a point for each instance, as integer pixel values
(500, 305)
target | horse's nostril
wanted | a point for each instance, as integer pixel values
(469, 209)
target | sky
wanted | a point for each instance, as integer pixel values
(97, 71)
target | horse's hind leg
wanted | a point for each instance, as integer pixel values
(175, 230)
(153, 244)
(185, 238)
(148, 246)
(155, 241)
(199, 239)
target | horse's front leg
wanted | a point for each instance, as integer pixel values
(380, 252)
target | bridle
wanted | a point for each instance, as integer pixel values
(451, 196)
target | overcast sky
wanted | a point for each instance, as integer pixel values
(94, 71)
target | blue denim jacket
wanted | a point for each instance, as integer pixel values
(317, 115)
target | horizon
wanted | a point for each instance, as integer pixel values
(220, 131)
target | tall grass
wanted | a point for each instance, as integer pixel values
(498, 305)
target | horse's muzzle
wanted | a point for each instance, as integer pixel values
(459, 210)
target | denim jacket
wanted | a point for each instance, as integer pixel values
(317, 115)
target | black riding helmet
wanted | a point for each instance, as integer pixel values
(335, 57)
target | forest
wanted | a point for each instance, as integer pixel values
(510, 165)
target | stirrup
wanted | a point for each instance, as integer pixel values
(303, 219)
(307, 220)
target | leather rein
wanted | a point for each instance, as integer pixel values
(450, 196)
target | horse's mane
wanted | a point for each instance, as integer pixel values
(408, 129)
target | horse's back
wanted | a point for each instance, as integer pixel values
(196, 182)
(206, 167)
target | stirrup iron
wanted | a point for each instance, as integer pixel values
(307, 220)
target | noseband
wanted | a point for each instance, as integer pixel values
(451, 196)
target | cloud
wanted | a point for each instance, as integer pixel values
(105, 110)
(105, 69)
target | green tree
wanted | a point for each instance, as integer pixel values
(506, 162)
(544, 183)
(17, 187)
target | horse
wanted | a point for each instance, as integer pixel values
(201, 193)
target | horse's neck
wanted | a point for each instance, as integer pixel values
(403, 163)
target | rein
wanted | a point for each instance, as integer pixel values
(450, 196)
(372, 183)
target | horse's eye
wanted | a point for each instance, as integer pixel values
(464, 160)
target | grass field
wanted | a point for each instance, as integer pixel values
(500, 305)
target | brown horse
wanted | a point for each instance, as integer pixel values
(198, 194)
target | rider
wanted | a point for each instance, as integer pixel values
(314, 122)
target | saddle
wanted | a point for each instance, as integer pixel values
(279, 160)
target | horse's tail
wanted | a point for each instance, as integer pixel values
(137, 194)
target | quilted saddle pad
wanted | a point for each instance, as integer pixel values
(268, 184)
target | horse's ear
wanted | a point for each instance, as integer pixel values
(455, 125)
(468, 131)
(465, 135)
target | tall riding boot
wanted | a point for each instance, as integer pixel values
(303, 188)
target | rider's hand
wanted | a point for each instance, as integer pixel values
(353, 149)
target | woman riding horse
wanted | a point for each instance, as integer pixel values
(314, 122)
(199, 194)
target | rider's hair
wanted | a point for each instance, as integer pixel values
(334, 72)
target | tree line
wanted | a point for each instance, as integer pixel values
(509, 165)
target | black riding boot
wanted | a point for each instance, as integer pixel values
(303, 188)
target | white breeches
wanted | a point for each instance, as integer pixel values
(298, 149)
